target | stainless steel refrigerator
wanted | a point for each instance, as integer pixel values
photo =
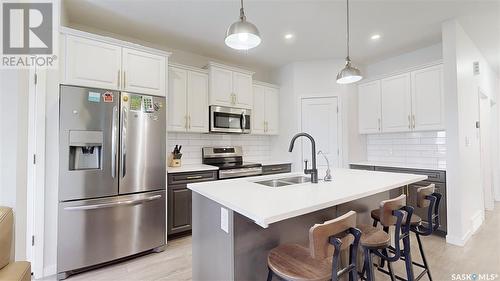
(111, 176)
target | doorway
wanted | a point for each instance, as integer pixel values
(485, 140)
(320, 119)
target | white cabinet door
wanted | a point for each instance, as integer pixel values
(259, 110)
(242, 87)
(428, 99)
(221, 86)
(144, 72)
(369, 108)
(272, 111)
(396, 103)
(92, 63)
(197, 102)
(177, 98)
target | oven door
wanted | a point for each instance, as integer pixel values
(230, 120)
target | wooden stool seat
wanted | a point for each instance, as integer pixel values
(415, 219)
(373, 237)
(294, 262)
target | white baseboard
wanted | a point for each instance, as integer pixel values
(477, 220)
(49, 270)
(458, 241)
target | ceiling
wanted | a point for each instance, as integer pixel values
(199, 26)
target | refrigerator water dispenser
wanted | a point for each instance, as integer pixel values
(85, 150)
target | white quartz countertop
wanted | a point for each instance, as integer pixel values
(191, 168)
(405, 166)
(265, 205)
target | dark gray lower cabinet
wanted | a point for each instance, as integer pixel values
(436, 177)
(276, 169)
(179, 199)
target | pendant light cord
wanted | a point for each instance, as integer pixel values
(347, 30)
(242, 12)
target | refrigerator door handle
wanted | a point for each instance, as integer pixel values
(113, 142)
(114, 204)
(124, 142)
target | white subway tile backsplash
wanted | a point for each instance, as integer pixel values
(255, 148)
(425, 149)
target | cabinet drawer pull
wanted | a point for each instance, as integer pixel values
(194, 177)
(276, 169)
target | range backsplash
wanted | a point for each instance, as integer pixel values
(255, 148)
(419, 149)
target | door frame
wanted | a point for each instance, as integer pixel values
(340, 123)
(488, 198)
(35, 190)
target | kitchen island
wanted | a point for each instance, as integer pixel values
(236, 222)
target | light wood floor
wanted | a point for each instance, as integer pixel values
(480, 255)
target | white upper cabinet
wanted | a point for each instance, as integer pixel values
(177, 100)
(92, 63)
(265, 113)
(412, 101)
(197, 96)
(396, 103)
(272, 111)
(221, 87)
(143, 72)
(230, 86)
(428, 99)
(242, 88)
(259, 110)
(101, 62)
(369, 108)
(188, 100)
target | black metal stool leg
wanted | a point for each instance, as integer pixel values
(269, 274)
(370, 276)
(389, 266)
(408, 261)
(420, 247)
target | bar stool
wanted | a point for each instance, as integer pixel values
(320, 261)
(394, 212)
(426, 198)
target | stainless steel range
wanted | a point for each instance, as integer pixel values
(230, 162)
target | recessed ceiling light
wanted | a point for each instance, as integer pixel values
(288, 36)
(375, 36)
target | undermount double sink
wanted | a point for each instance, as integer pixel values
(284, 181)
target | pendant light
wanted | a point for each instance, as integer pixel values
(242, 35)
(349, 74)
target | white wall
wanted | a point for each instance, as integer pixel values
(465, 200)
(314, 79)
(13, 150)
(404, 61)
(255, 148)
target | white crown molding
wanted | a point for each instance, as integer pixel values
(110, 40)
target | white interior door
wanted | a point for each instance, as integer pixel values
(485, 146)
(320, 120)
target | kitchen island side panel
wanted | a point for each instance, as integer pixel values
(212, 251)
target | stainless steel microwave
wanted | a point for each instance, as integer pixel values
(230, 120)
